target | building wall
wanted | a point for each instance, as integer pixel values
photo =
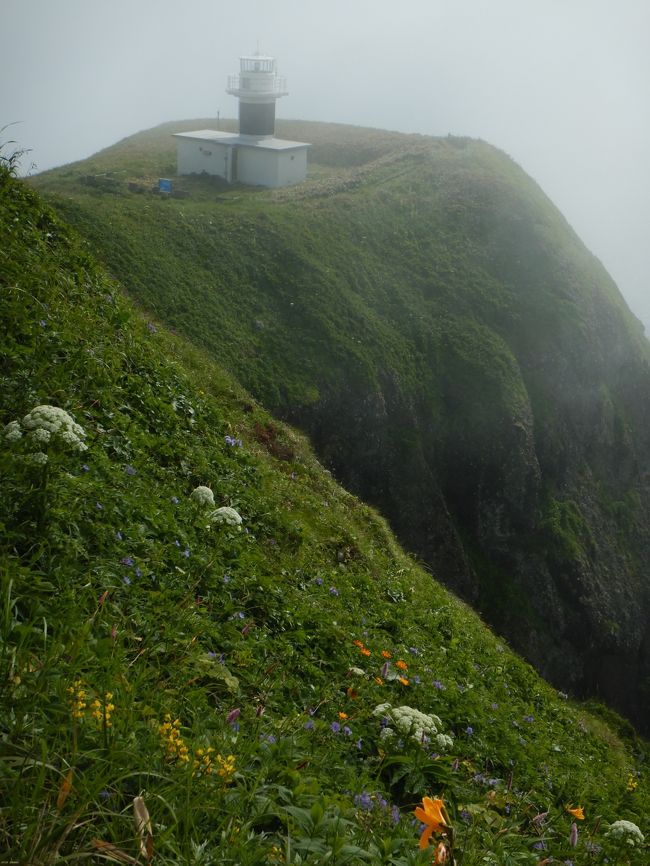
(271, 167)
(292, 167)
(257, 167)
(251, 165)
(195, 157)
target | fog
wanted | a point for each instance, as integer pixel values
(563, 86)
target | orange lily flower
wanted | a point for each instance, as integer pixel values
(431, 815)
(578, 813)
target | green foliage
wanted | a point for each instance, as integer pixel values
(421, 310)
(142, 646)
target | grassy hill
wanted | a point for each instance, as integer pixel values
(457, 357)
(177, 689)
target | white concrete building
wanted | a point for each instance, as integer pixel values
(254, 156)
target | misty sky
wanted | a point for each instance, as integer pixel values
(563, 86)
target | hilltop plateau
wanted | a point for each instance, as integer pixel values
(457, 357)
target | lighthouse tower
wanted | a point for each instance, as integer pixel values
(253, 156)
(257, 87)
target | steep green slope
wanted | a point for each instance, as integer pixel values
(227, 677)
(456, 355)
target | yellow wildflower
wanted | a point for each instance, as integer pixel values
(226, 769)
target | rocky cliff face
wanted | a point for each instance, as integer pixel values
(459, 360)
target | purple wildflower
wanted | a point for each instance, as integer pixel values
(99, 506)
(119, 536)
(573, 836)
(334, 590)
(85, 468)
(232, 716)
(335, 727)
(363, 801)
(127, 560)
(126, 580)
(347, 731)
(395, 814)
(174, 500)
(469, 730)
(309, 725)
(130, 470)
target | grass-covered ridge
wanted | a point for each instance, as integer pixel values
(459, 359)
(227, 679)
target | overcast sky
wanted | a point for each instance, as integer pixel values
(563, 86)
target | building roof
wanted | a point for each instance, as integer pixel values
(217, 137)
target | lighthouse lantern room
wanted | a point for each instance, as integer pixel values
(254, 156)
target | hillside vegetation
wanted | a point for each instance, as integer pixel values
(181, 690)
(457, 357)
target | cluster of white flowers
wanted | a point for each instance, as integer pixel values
(12, 431)
(44, 424)
(626, 833)
(202, 496)
(422, 727)
(226, 515)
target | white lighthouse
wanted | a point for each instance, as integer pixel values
(254, 155)
(257, 86)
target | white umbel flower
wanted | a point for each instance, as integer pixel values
(202, 495)
(12, 431)
(626, 832)
(420, 727)
(226, 515)
(45, 422)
